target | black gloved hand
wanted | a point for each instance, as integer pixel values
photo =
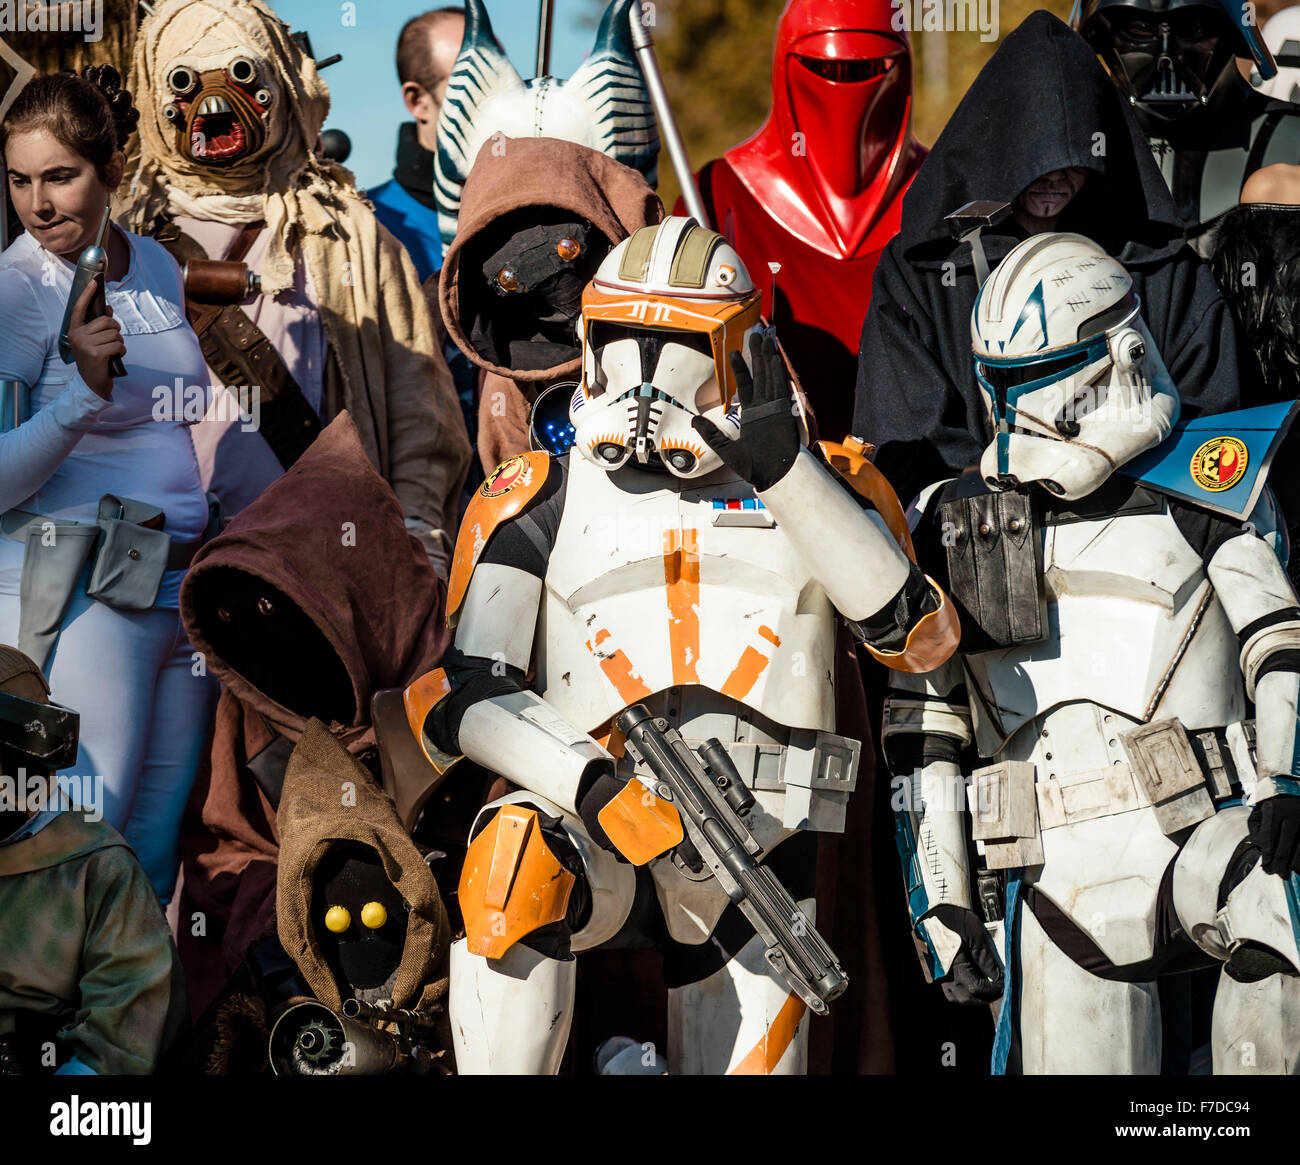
(599, 786)
(975, 976)
(770, 438)
(1275, 831)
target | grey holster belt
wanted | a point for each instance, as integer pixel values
(127, 561)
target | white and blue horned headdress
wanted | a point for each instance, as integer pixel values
(605, 105)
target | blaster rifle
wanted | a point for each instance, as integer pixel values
(712, 802)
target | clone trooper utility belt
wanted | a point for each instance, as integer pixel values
(1179, 775)
(816, 771)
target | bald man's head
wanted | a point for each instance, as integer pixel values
(426, 53)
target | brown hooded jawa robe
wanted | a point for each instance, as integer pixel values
(330, 797)
(512, 174)
(351, 605)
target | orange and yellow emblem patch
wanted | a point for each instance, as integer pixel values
(1219, 463)
(507, 475)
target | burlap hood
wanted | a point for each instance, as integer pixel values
(316, 810)
(377, 600)
(285, 180)
(386, 368)
(511, 173)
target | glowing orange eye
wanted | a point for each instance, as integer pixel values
(568, 249)
(507, 280)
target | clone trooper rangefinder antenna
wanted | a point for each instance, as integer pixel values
(966, 223)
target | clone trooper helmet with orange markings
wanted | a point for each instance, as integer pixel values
(659, 321)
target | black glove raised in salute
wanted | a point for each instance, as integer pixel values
(770, 436)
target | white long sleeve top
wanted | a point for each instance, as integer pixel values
(75, 446)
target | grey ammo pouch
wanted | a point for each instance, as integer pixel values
(132, 557)
(1004, 814)
(126, 574)
(55, 555)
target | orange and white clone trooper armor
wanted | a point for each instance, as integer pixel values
(690, 554)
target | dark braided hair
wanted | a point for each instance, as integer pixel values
(1256, 262)
(91, 114)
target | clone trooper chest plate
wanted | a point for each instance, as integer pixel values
(650, 587)
(1132, 625)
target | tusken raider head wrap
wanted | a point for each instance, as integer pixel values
(231, 110)
(278, 176)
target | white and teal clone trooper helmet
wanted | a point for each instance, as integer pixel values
(1074, 384)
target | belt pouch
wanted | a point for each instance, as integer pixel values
(1004, 815)
(1167, 770)
(132, 557)
(55, 555)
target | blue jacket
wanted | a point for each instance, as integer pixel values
(415, 225)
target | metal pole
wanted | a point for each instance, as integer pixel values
(645, 55)
(545, 18)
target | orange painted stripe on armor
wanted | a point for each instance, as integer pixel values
(618, 670)
(682, 578)
(750, 666)
(513, 828)
(745, 674)
(767, 1053)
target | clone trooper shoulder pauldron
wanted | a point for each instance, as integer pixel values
(510, 508)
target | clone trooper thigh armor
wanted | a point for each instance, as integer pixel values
(642, 569)
(1114, 638)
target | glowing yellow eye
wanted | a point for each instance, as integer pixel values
(507, 280)
(337, 919)
(568, 249)
(373, 915)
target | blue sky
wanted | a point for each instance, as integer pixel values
(364, 98)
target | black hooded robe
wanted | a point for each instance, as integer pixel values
(1041, 103)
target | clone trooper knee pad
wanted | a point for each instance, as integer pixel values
(1229, 906)
(533, 875)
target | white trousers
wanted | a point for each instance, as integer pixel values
(145, 716)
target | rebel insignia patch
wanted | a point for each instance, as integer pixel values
(507, 475)
(1219, 463)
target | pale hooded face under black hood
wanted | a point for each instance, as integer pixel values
(1043, 103)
